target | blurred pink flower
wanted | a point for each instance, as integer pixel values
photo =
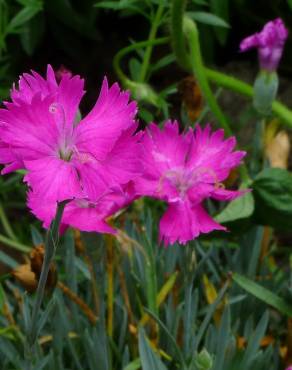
(289, 367)
(269, 42)
(183, 170)
(66, 159)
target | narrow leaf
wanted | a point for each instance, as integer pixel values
(149, 359)
(208, 18)
(263, 294)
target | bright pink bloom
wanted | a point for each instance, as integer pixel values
(66, 159)
(83, 213)
(269, 42)
(184, 170)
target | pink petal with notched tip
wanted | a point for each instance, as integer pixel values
(182, 223)
(67, 93)
(97, 132)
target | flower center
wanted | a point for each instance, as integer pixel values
(84, 203)
(65, 154)
(65, 132)
(182, 179)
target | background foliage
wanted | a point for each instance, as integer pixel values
(223, 301)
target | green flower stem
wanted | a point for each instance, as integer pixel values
(14, 244)
(138, 45)
(219, 78)
(51, 244)
(6, 225)
(198, 70)
(152, 35)
(238, 86)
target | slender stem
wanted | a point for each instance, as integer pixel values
(198, 70)
(138, 45)
(14, 244)
(110, 285)
(6, 225)
(219, 78)
(51, 243)
(152, 34)
(236, 85)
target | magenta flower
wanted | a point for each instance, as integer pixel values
(184, 170)
(269, 42)
(67, 159)
(289, 367)
(83, 213)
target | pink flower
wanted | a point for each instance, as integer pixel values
(269, 42)
(83, 213)
(184, 170)
(289, 367)
(66, 159)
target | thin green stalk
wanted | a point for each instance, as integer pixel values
(219, 78)
(198, 70)
(51, 244)
(194, 63)
(6, 225)
(138, 45)
(14, 244)
(152, 35)
(236, 85)
(110, 284)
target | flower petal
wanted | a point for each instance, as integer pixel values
(112, 113)
(30, 130)
(67, 94)
(53, 178)
(182, 223)
(211, 156)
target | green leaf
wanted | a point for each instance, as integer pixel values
(263, 294)
(171, 339)
(32, 33)
(23, 16)
(289, 2)
(36, 236)
(221, 9)
(208, 18)
(254, 343)
(2, 298)
(134, 365)
(149, 359)
(115, 5)
(272, 190)
(203, 360)
(7, 260)
(239, 208)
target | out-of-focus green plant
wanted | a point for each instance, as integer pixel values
(221, 302)
(166, 335)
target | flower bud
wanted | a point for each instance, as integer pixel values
(269, 42)
(265, 91)
(204, 360)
